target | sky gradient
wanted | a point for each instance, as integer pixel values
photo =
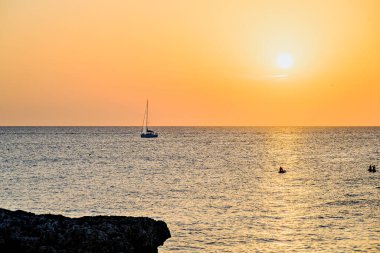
(198, 62)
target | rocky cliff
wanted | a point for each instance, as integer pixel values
(26, 232)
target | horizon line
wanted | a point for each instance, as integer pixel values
(191, 126)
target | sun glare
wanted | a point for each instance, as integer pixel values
(284, 61)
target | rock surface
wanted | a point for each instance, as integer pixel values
(26, 232)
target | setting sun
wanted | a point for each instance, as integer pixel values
(284, 61)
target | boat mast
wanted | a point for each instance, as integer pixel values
(146, 115)
(145, 120)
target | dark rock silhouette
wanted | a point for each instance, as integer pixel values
(26, 232)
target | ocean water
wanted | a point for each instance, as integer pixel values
(217, 188)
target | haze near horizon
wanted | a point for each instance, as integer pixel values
(227, 63)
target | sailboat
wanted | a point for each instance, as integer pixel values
(146, 133)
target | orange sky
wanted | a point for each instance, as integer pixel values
(199, 62)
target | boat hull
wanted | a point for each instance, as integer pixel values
(149, 135)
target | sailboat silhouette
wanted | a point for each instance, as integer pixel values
(145, 132)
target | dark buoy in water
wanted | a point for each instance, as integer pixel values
(281, 170)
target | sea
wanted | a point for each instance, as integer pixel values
(217, 188)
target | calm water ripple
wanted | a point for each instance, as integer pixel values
(217, 188)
